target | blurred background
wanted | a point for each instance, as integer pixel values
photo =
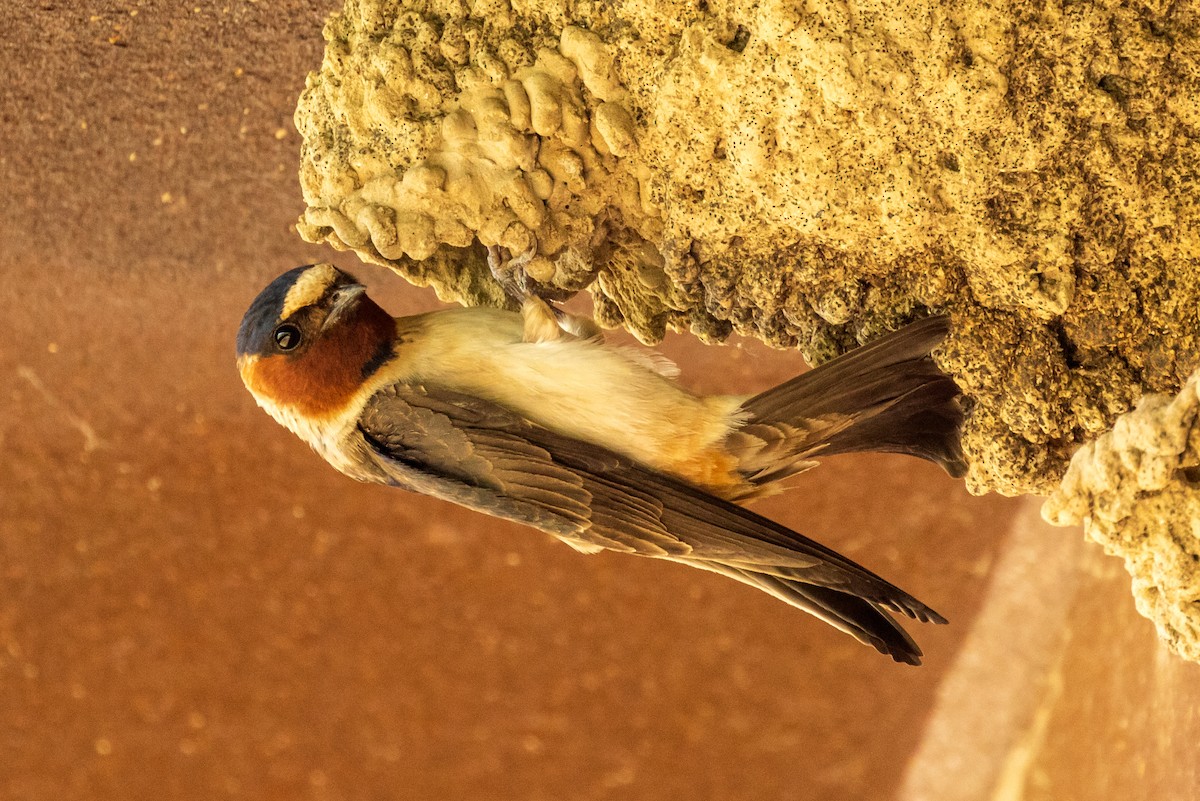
(194, 605)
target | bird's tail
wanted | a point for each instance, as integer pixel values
(887, 396)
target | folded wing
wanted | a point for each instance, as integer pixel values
(483, 456)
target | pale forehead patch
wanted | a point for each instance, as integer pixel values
(309, 288)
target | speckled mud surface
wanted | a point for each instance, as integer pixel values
(807, 174)
(1136, 491)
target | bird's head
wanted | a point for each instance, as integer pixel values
(309, 341)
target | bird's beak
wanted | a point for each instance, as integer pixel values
(343, 299)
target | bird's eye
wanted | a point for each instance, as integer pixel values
(287, 336)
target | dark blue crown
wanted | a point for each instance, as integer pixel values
(263, 314)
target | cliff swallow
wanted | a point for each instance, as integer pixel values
(531, 417)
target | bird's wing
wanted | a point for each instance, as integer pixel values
(861, 619)
(483, 456)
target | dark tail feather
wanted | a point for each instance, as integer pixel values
(897, 398)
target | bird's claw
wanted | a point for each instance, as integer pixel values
(542, 321)
(509, 270)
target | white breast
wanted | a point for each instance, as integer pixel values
(582, 389)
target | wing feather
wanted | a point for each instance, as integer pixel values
(481, 455)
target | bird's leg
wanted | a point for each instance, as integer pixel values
(575, 325)
(509, 270)
(542, 322)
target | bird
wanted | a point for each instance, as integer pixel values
(533, 417)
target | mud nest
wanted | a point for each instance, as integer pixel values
(802, 174)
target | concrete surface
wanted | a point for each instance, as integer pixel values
(192, 605)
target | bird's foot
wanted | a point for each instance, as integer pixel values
(542, 321)
(509, 270)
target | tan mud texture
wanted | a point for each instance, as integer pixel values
(809, 174)
(192, 605)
